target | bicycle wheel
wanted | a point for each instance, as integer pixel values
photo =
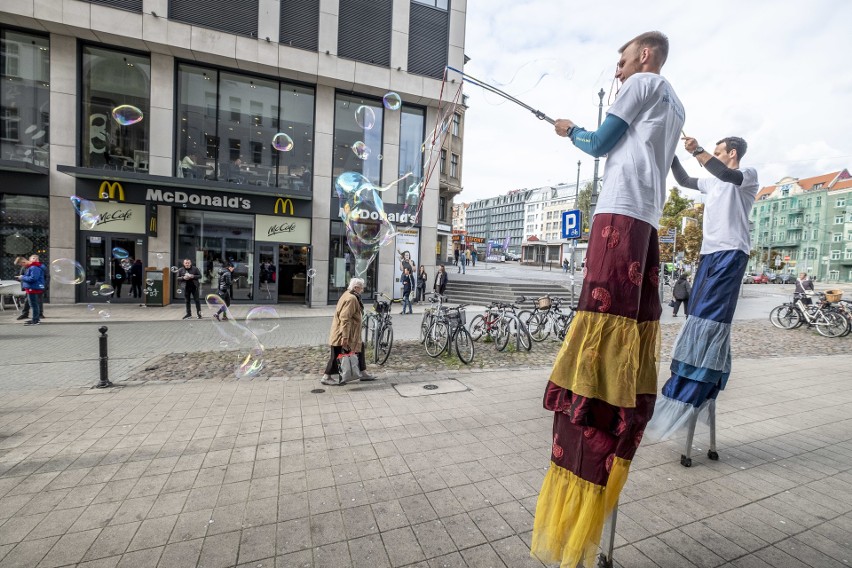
(464, 346)
(526, 315)
(502, 334)
(437, 338)
(477, 327)
(538, 326)
(830, 324)
(523, 336)
(384, 344)
(424, 325)
(784, 316)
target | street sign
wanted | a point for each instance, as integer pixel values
(572, 224)
(667, 240)
(672, 232)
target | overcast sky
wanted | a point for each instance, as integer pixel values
(776, 73)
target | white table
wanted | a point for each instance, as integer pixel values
(10, 288)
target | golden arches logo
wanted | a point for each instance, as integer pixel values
(284, 203)
(152, 225)
(108, 190)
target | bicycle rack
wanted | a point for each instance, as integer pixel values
(686, 458)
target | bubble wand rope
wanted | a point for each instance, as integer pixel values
(474, 81)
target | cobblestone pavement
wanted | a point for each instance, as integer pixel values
(269, 473)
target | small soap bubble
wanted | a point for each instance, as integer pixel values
(67, 271)
(126, 264)
(251, 361)
(392, 101)
(365, 117)
(282, 142)
(90, 308)
(179, 292)
(174, 269)
(105, 314)
(126, 115)
(159, 255)
(95, 293)
(120, 253)
(361, 150)
(312, 272)
(106, 290)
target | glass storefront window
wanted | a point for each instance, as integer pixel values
(24, 98)
(121, 82)
(341, 267)
(411, 135)
(24, 222)
(211, 239)
(227, 123)
(352, 124)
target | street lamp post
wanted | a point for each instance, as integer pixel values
(594, 197)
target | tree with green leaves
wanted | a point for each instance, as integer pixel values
(584, 204)
(676, 208)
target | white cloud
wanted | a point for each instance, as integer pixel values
(774, 73)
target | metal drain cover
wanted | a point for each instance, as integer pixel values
(430, 388)
(317, 391)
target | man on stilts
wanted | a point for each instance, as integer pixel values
(604, 381)
(701, 359)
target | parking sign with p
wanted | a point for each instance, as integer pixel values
(571, 224)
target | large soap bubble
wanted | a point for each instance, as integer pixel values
(67, 271)
(87, 212)
(127, 115)
(262, 320)
(363, 214)
(392, 101)
(361, 150)
(282, 142)
(365, 117)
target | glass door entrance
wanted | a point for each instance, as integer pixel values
(110, 272)
(282, 273)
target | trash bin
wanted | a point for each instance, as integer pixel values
(157, 287)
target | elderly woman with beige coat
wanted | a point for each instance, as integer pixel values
(345, 334)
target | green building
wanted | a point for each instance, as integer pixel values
(804, 225)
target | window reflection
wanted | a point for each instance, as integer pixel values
(24, 98)
(112, 79)
(348, 131)
(24, 221)
(411, 136)
(341, 267)
(227, 123)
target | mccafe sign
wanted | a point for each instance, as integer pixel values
(116, 217)
(278, 229)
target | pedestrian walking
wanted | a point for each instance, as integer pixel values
(32, 281)
(422, 278)
(565, 265)
(406, 291)
(190, 277)
(440, 283)
(680, 295)
(119, 276)
(701, 356)
(345, 334)
(803, 286)
(473, 257)
(136, 279)
(226, 283)
(462, 263)
(604, 381)
(456, 256)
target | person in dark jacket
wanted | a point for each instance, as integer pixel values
(136, 279)
(119, 276)
(406, 291)
(226, 282)
(440, 280)
(33, 283)
(682, 290)
(422, 277)
(803, 286)
(190, 276)
(25, 311)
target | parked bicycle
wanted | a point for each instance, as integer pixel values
(822, 315)
(447, 331)
(547, 317)
(436, 304)
(377, 328)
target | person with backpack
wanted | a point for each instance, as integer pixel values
(226, 281)
(681, 291)
(32, 282)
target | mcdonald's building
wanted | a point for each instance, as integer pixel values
(191, 151)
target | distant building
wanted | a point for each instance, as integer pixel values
(805, 225)
(450, 184)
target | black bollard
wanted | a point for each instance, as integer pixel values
(102, 340)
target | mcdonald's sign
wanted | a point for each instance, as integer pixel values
(284, 203)
(151, 219)
(108, 190)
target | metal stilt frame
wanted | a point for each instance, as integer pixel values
(608, 540)
(686, 458)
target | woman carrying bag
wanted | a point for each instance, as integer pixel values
(422, 277)
(345, 335)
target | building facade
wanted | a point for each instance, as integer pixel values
(214, 130)
(805, 225)
(450, 185)
(499, 218)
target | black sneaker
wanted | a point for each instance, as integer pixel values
(22, 317)
(199, 316)
(187, 316)
(31, 322)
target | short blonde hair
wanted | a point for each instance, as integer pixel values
(356, 283)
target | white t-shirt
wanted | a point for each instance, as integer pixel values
(634, 181)
(726, 211)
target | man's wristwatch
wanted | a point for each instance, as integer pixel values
(697, 151)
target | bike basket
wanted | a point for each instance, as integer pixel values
(833, 295)
(457, 317)
(381, 307)
(543, 303)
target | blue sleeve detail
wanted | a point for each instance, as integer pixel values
(602, 140)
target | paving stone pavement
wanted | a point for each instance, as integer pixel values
(268, 473)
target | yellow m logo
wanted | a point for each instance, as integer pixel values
(284, 203)
(152, 226)
(108, 190)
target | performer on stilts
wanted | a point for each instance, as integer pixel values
(604, 381)
(701, 360)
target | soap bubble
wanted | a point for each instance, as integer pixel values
(392, 101)
(126, 115)
(149, 283)
(282, 142)
(159, 255)
(105, 314)
(106, 290)
(118, 276)
(95, 293)
(362, 212)
(311, 273)
(90, 308)
(174, 269)
(262, 320)
(120, 253)
(365, 117)
(126, 264)
(87, 212)
(67, 271)
(179, 292)
(361, 150)
(250, 362)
